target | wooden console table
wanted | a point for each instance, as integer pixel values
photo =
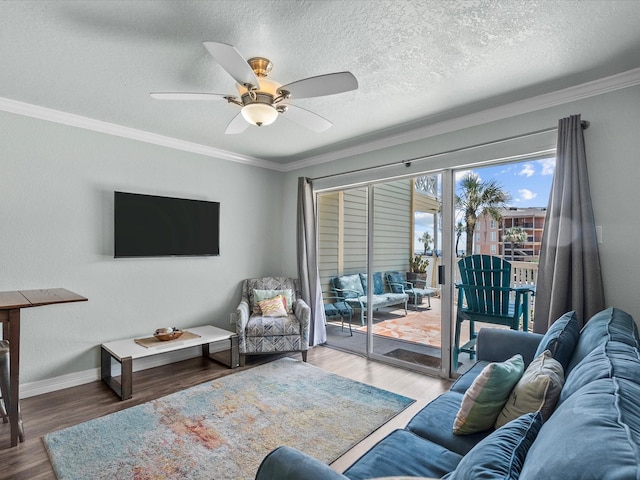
(127, 350)
(10, 305)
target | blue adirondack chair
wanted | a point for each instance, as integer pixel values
(485, 295)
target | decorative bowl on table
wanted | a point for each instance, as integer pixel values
(167, 333)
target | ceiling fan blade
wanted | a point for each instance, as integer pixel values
(233, 62)
(187, 96)
(307, 119)
(237, 125)
(328, 84)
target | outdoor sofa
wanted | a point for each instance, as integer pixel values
(353, 290)
(591, 432)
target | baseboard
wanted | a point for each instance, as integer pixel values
(31, 389)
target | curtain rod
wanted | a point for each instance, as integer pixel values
(407, 162)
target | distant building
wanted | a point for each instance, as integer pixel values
(488, 237)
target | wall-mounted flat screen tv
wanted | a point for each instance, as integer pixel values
(153, 226)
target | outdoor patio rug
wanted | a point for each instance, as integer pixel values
(423, 328)
(224, 428)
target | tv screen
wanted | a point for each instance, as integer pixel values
(153, 226)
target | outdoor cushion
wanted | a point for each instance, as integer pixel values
(336, 309)
(502, 454)
(594, 434)
(537, 390)
(378, 283)
(396, 281)
(561, 338)
(404, 454)
(610, 324)
(435, 423)
(396, 297)
(484, 399)
(349, 282)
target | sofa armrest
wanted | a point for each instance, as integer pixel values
(498, 345)
(286, 463)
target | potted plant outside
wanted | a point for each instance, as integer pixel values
(417, 273)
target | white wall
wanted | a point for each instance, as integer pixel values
(613, 152)
(56, 230)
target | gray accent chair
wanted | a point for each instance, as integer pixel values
(269, 335)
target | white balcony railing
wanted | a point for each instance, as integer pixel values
(524, 273)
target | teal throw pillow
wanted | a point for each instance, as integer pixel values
(484, 399)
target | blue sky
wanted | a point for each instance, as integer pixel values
(528, 183)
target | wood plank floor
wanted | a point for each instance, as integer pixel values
(56, 410)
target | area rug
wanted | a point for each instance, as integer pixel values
(224, 428)
(421, 328)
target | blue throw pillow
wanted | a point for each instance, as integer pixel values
(501, 455)
(561, 339)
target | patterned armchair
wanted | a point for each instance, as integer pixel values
(259, 334)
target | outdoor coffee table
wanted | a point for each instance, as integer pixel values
(127, 350)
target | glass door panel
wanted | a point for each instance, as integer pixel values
(342, 263)
(500, 211)
(406, 251)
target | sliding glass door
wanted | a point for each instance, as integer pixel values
(380, 247)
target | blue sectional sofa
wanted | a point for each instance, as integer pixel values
(353, 290)
(593, 432)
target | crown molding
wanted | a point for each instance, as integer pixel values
(601, 86)
(590, 89)
(86, 123)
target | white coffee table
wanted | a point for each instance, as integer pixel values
(127, 350)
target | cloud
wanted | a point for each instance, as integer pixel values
(528, 170)
(461, 173)
(548, 166)
(527, 194)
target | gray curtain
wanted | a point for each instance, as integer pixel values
(569, 276)
(308, 261)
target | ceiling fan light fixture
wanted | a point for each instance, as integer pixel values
(259, 114)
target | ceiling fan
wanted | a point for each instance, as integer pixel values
(262, 100)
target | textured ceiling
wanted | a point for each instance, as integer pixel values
(416, 61)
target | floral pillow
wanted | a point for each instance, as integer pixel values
(274, 307)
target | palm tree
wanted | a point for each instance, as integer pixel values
(426, 240)
(476, 198)
(514, 235)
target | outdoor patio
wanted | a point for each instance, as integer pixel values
(415, 338)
